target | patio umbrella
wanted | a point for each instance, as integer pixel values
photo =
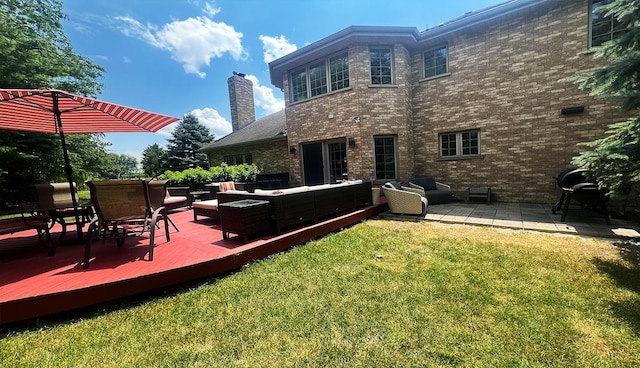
(55, 111)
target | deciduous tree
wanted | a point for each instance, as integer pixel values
(35, 53)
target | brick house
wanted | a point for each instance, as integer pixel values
(482, 100)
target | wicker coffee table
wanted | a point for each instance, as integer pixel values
(245, 218)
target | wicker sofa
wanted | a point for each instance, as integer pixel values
(295, 206)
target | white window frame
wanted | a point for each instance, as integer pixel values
(459, 146)
(391, 66)
(446, 62)
(326, 62)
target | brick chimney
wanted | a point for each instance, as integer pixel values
(243, 110)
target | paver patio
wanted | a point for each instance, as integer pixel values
(528, 216)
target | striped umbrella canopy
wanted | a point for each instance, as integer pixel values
(50, 110)
(55, 111)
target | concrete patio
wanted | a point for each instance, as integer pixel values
(528, 216)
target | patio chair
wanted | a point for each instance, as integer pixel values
(435, 192)
(410, 188)
(55, 200)
(123, 208)
(587, 194)
(157, 190)
(566, 180)
(403, 201)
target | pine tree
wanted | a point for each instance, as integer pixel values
(188, 137)
(614, 160)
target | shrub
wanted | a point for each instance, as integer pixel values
(245, 173)
(194, 178)
(197, 177)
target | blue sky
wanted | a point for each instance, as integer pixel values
(174, 56)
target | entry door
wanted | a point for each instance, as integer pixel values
(313, 164)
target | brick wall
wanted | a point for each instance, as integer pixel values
(510, 81)
(269, 157)
(383, 110)
(241, 101)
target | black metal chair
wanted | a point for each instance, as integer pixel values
(566, 180)
(587, 194)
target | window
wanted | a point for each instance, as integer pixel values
(460, 144)
(245, 158)
(385, 156)
(318, 79)
(315, 79)
(339, 72)
(603, 27)
(299, 85)
(337, 161)
(435, 62)
(380, 65)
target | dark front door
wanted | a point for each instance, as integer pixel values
(312, 164)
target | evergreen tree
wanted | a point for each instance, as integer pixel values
(188, 137)
(154, 160)
(614, 160)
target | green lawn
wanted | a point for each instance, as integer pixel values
(379, 294)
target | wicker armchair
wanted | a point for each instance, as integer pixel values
(404, 201)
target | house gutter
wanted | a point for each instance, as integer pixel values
(408, 35)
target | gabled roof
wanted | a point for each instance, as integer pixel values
(409, 36)
(270, 128)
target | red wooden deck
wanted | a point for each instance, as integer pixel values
(33, 284)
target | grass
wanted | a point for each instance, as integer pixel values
(379, 294)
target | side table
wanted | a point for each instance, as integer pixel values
(483, 193)
(245, 217)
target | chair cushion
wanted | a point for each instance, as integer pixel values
(210, 204)
(174, 199)
(226, 186)
(395, 184)
(438, 196)
(426, 183)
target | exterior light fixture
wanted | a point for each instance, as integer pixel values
(356, 119)
(572, 110)
(352, 142)
(292, 150)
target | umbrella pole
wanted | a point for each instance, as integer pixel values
(67, 166)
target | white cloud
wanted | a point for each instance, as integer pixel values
(192, 42)
(210, 11)
(211, 118)
(275, 47)
(264, 97)
(168, 130)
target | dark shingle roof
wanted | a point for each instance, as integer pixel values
(272, 127)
